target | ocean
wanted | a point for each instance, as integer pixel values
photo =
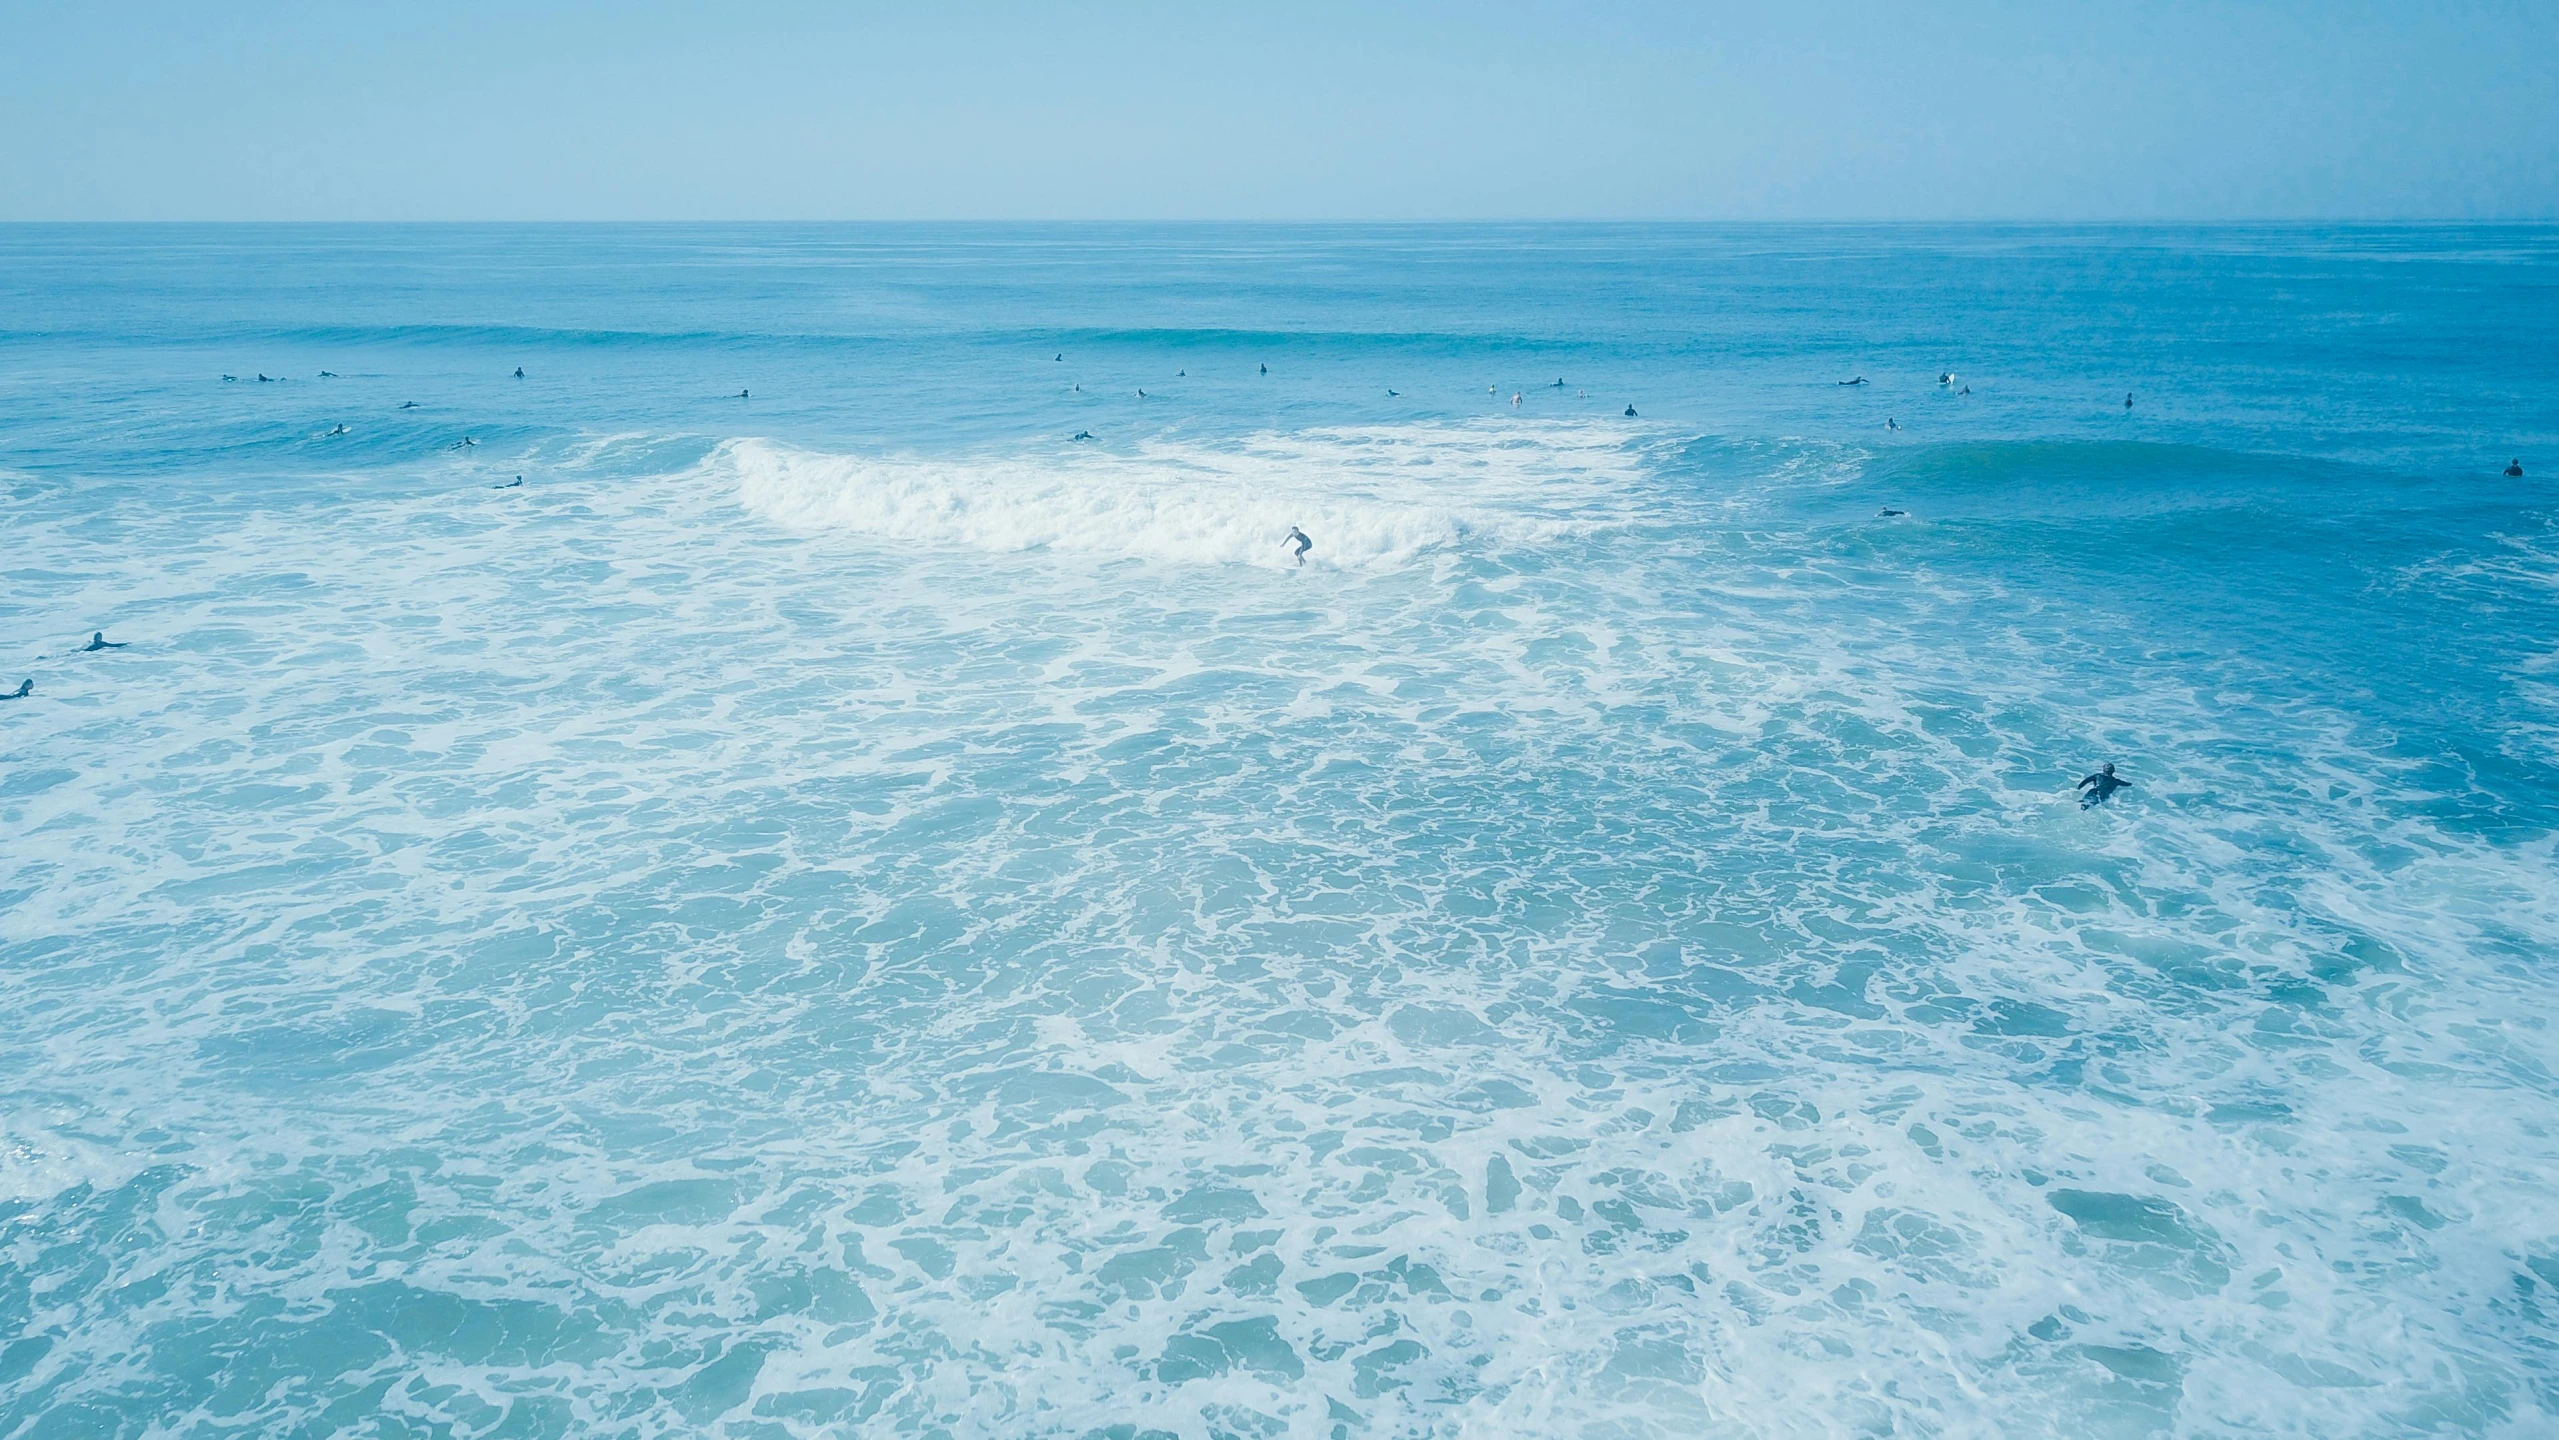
(836, 907)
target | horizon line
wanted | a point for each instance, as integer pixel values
(2410, 221)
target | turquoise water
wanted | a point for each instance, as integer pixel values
(845, 911)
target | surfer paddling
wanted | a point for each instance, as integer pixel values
(2101, 786)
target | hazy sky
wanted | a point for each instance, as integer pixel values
(2133, 109)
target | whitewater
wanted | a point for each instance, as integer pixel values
(848, 910)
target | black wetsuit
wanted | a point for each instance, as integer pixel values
(2101, 787)
(25, 689)
(1301, 541)
(98, 641)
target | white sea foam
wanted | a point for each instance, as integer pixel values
(1371, 498)
(551, 944)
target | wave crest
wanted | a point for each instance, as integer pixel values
(1371, 499)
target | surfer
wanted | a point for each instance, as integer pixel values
(408, 404)
(1301, 542)
(1390, 394)
(1967, 390)
(2514, 469)
(519, 372)
(1889, 512)
(1558, 385)
(328, 375)
(25, 689)
(1061, 355)
(1630, 412)
(1891, 424)
(1947, 378)
(98, 641)
(741, 394)
(230, 379)
(1141, 394)
(341, 430)
(459, 444)
(1266, 369)
(2101, 787)
(1083, 434)
(2128, 399)
(265, 379)
(1860, 380)
(511, 484)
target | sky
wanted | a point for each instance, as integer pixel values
(1646, 109)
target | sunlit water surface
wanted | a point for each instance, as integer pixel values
(844, 910)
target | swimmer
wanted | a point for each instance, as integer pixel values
(1630, 412)
(25, 689)
(1296, 537)
(1860, 380)
(1888, 513)
(2514, 469)
(519, 372)
(98, 641)
(511, 484)
(2101, 787)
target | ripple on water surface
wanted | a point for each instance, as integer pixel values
(800, 943)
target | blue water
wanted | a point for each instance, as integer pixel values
(845, 911)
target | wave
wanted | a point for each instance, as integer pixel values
(1372, 498)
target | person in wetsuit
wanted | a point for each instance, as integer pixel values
(25, 689)
(2514, 469)
(2101, 787)
(1301, 542)
(98, 641)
